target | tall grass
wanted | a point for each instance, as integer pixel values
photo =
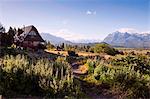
(127, 77)
(21, 76)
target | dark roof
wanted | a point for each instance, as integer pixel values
(26, 30)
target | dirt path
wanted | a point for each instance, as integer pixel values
(92, 91)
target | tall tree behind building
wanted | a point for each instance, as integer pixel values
(2, 29)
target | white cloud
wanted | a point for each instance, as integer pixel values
(145, 32)
(66, 34)
(132, 30)
(88, 12)
(129, 30)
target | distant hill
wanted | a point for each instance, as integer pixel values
(54, 39)
(59, 40)
(129, 40)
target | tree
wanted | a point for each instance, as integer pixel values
(2, 29)
(12, 31)
(63, 46)
(3, 39)
(3, 36)
(104, 48)
(20, 31)
(6, 39)
(49, 45)
(11, 34)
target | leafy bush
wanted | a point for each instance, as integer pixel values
(101, 72)
(130, 78)
(8, 51)
(14, 79)
(19, 76)
(53, 76)
(72, 53)
(132, 82)
(141, 63)
(104, 48)
(90, 65)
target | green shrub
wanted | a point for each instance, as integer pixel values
(19, 76)
(100, 71)
(90, 65)
(53, 76)
(132, 82)
(72, 53)
(129, 79)
(104, 48)
(141, 63)
(14, 79)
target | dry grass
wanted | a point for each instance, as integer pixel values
(83, 68)
(64, 53)
(139, 51)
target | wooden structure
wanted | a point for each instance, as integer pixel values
(29, 37)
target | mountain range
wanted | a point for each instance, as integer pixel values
(59, 40)
(116, 39)
(54, 39)
(128, 40)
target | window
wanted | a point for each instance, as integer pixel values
(32, 33)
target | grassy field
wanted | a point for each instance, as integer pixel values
(64, 53)
(56, 76)
(84, 54)
(136, 50)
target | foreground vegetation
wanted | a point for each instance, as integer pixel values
(122, 76)
(22, 77)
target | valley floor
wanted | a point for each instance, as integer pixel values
(108, 68)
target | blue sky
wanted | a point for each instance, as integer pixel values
(77, 19)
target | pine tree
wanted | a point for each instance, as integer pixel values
(2, 29)
(10, 34)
